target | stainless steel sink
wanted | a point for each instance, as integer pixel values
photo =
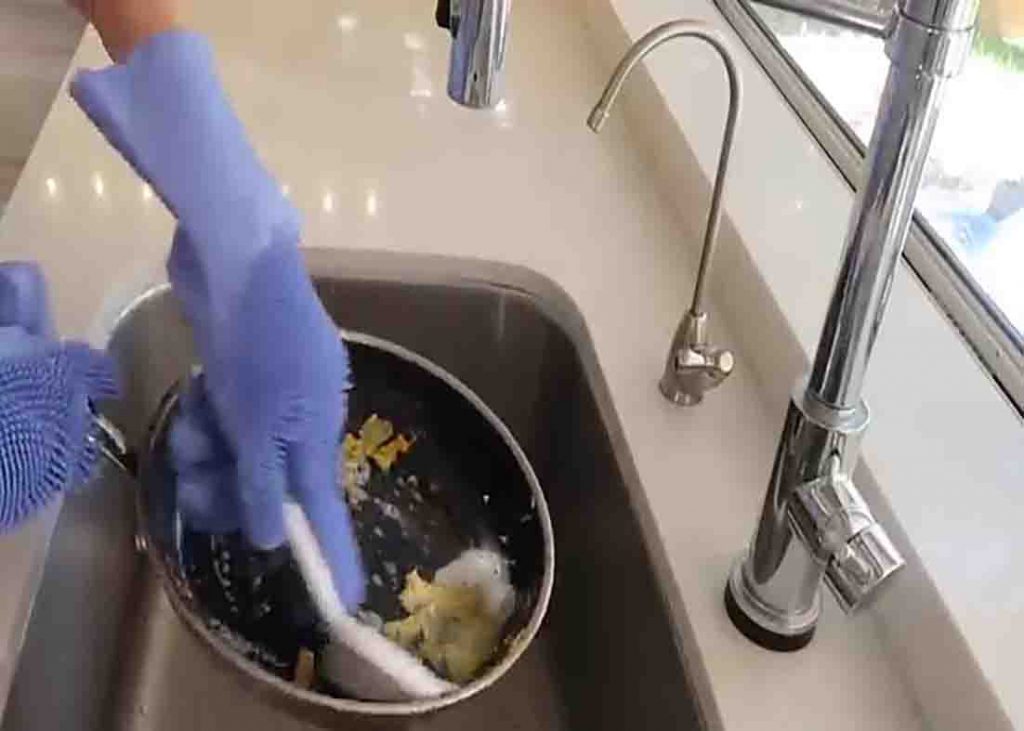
(104, 649)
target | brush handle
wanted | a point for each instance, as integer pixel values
(363, 660)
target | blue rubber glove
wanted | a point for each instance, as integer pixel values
(270, 408)
(45, 390)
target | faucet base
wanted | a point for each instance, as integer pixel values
(763, 625)
(669, 387)
(693, 367)
(761, 636)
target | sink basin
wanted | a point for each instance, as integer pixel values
(104, 649)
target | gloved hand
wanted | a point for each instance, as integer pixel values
(266, 417)
(271, 403)
(45, 389)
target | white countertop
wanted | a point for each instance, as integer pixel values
(345, 100)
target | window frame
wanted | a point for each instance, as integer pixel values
(995, 343)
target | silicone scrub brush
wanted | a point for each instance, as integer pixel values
(359, 659)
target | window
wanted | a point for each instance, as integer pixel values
(968, 240)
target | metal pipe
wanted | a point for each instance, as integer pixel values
(877, 232)
(598, 116)
(837, 12)
(923, 58)
(952, 15)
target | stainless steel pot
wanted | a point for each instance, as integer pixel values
(472, 486)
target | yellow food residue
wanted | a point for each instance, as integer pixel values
(448, 626)
(374, 432)
(387, 454)
(377, 442)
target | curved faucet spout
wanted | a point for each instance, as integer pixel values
(694, 366)
(640, 49)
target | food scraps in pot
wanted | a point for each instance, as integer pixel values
(454, 623)
(377, 444)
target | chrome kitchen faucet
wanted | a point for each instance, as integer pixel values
(815, 527)
(774, 591)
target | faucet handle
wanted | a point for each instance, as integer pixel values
(694, 367)
(836, 525)
(860, 566)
